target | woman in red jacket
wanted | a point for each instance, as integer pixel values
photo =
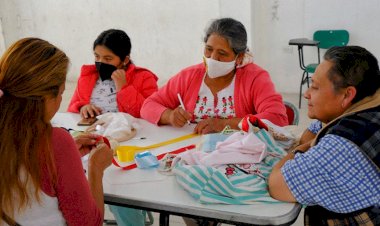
(113, 83)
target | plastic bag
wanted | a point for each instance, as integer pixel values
(116, 126)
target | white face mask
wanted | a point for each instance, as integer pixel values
(217, 68)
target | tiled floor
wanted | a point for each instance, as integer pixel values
(174, 220)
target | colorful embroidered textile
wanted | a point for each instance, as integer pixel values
(221, 106)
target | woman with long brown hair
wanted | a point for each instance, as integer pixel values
(43, 182)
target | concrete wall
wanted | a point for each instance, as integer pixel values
(167, 34)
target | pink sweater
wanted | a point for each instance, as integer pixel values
(75, 200)
(254, 94)
(141, 83)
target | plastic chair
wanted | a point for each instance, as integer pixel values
(322, 39)
(292, 113)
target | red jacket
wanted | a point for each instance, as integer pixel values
(141, 83)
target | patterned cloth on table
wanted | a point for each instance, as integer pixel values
(231, 183)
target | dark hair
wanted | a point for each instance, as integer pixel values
(116, 40)
(354, 66)
(232, 30)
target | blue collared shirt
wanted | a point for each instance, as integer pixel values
(334, 174)
(315, 126)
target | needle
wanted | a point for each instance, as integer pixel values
(139, 138)
(182, 105)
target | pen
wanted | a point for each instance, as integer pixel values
(182, 105)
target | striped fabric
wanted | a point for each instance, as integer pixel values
(231, 184)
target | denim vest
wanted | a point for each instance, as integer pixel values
(363, 129)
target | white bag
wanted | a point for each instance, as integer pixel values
(117, 126)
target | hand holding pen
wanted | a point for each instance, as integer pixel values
(182, 105)
(177, 117)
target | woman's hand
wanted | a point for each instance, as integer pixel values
(118, 76)
(90, 111)
(307, 136)
(177, 117)
(211, 125)
(304, 147)
(100, 157)
(85, 142)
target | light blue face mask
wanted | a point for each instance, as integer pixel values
(145, 160)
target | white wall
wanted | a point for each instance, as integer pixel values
(276, 22)
(2, 41)
(167, 34)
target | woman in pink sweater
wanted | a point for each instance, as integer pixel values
(220, 91)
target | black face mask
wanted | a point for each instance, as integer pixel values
(105, 70)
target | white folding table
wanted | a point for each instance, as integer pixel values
(150, 190)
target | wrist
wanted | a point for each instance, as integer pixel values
(225, 123)
(95, 171)
(232, 123)
(166, 117)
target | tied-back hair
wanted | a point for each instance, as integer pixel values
(230, 29)
(115, 40)
(30, 70)
(354, 66)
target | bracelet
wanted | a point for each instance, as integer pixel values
(295, 151)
